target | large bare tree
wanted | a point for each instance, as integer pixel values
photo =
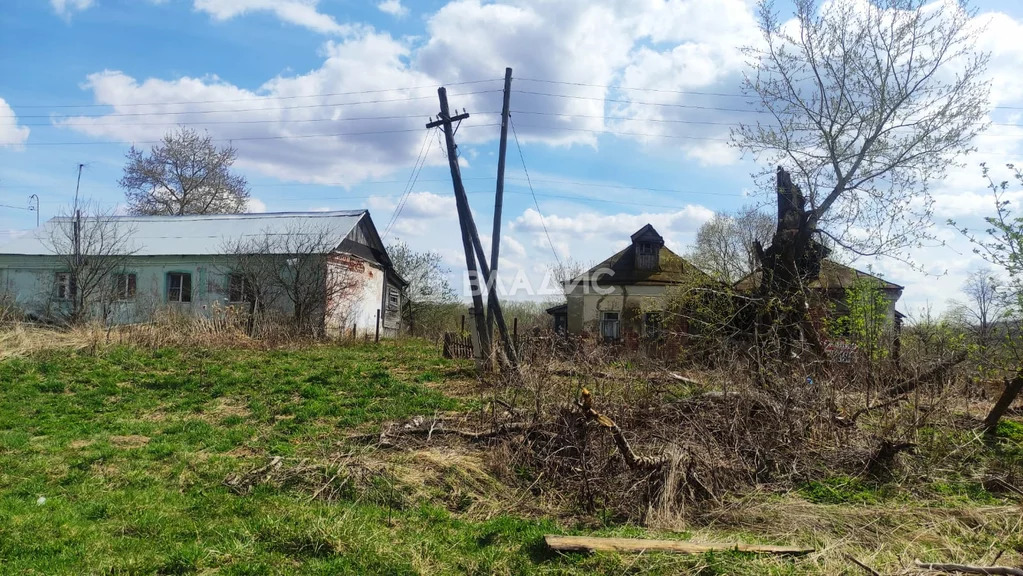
(428, 284)
(863, 103)
(92, 247)
(984, 305)
(186, 173)
(724, 246)
(297, 269)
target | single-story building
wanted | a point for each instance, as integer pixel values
(832, 283)
(332, 266)
(623, 296)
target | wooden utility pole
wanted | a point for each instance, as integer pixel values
(471, 239)
(444, 119)
(495, 237)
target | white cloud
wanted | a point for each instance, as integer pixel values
(254, 205)
(309, 128)
(393, 7)
(10, 133)
(64, 8)
(590, 235)
(298, 12)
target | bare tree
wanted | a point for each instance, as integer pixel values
(428, 284)
(724, 245)
(185, 174)
(93, 247)
(985, 303)
(298, 270)
(865, 103)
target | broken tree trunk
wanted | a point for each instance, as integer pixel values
(632, 460)
(589, 544)
(1009, 395)
(788, 266)
(938, 371)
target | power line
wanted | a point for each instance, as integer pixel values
(235, 110)
(619, 87)
(666, 91)
(14, 207)
(535, 203)
(417, 167)
(618, 100)
(250, 138)
(215, 122)
(619, 133)
(255, 98)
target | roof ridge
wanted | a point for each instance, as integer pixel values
(240, 216)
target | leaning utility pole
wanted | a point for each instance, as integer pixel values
(445, 120)
(470, 238)
(495, 236)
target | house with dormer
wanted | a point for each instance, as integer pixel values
(622, 297)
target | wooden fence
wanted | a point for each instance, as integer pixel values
(457, 345)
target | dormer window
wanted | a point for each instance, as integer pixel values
(647, 244)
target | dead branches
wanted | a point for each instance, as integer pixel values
(633, 460)
(591, 543)
(967, 569)
(935, 373)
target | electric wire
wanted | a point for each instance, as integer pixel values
(531, 191)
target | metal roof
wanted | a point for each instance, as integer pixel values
(194, 234)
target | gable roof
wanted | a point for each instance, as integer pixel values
(671, 267)
(647, 234)
(833, 276)
(195, 235)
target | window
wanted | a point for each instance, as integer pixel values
(238, 289)
(652, 325)
(124, 286)
(647, 249)
(65, 286)
(393, 297)
(561, 323)
(179, 287)
(609, 326)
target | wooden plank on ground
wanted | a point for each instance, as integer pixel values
(588, 543)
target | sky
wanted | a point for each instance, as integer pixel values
(621, 114)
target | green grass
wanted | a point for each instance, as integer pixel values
(842, 490)
(131, 448)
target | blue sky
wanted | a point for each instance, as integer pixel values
(622, 110)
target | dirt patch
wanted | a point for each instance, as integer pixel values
(226, 407)
(244, 452)
(130, 441)
(79, 444)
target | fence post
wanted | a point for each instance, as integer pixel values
(446, 351)
(378, 326)
(515, 333)
(462, 329)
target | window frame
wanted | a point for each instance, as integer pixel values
(181, 287)
(606, 321)
(393, 298)
(653, 325)
(65, 283)
(130, 288)
(244, 293)
(647, 249)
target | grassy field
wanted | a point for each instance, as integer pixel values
(114, 462)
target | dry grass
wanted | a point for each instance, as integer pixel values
(23, 339)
